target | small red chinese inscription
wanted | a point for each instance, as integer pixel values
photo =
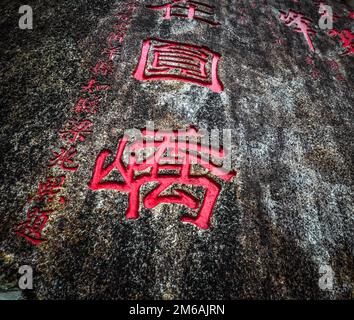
(87, 105)
(76, 131)
(31, 228)
(64, 159)
(48, 190)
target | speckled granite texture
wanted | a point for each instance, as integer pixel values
(289, 210)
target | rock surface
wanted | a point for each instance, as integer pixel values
(288, 212)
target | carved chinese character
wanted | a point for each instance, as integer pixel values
(166, 158)
(31, 229)
(94, 86)
(333, 65)
(310, 61)
(64, 159)
(111, 53)
(340, 77)
(315, 74)
(76, 130)
(299, 24)
(49, 189)
(103, 68)
(167, 60)
(187, 9)
(115, 37)
(347, 39)
(87, 105)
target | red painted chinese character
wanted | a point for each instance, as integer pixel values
(241, 20)
(120, 27)
(178, 61)
(124, 16)
(187, 9)
(87, 105)
(49, 189)
(76, 130)
(315, 74)
(310, 61)
(31, 229)
(115, 37)
(340, 77)
(169, 165)
(64, 159)
(94, 86)
(280, 41)
(333, 65)
(299, 23)
(103, 68)
(347, 39)
(111, 53)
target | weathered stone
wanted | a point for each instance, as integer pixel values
(286, 214)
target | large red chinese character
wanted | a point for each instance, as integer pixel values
(168, 159)
(187, 9)
(76, 130)
(299, 23)
(64, 159)
(31, 229)
(347, 39)
(166, 60)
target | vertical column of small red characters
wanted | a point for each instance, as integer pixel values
(48, 197)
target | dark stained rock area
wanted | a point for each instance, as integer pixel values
(287, 213)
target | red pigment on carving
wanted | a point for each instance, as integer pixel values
(76, 130)
(340, 77)
(152, 167)
(48, 190)
(310, 61)
(115, 37)
(64, 159)
(193, 10)
(110, 53)
(87, 105)
(179, 61)
(103, 68)
(346, 37)
(241, 20)
(299, 23)
(94, 86)
(31, 228)
(315, 74)
(333, 65)
(62, 200)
